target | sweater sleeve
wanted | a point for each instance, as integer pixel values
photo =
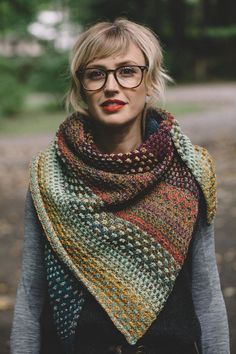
(31, 292)
(207, 295)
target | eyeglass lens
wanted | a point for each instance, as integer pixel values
(126, 76)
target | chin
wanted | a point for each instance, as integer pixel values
(113, 119)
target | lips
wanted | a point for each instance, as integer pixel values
(112, 105)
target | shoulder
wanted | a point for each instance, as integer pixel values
(204, 172)
(201, 165)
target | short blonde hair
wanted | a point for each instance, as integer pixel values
(105, 39)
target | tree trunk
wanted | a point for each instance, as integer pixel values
(207, 13)
(178, 21)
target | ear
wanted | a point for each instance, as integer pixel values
(148, 95)
(149, 90)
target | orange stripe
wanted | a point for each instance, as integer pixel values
(134, 219)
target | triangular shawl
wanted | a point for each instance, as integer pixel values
(122, 223)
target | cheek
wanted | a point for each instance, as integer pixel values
(140, 103)
(139, 98)
(91, 100)
(143, 91)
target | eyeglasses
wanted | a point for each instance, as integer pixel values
(93, 79)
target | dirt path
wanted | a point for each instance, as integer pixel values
(214, 128)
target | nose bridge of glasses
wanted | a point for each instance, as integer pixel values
(111, 78)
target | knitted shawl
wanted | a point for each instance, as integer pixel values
(118, 224)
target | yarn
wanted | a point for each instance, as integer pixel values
(120, 224)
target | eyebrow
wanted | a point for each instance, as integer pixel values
(122, 63)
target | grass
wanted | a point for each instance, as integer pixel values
(41, 115)
(183, 109)
(31, 124)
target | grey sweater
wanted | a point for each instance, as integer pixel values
(207, 296)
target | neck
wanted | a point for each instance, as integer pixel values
(113, 140)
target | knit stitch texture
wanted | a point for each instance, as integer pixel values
(120, 224)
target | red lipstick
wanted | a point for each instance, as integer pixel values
(112, 105)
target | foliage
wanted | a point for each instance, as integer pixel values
(221, 32)
(49, 73)
(12, 92)
(16, 14)
(11, 95)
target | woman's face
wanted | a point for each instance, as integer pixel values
(114, 105)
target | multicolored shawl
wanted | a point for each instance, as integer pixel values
(120, 224)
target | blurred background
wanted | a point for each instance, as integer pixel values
(199, 43)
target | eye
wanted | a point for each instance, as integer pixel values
(127, 71)
(94, 74)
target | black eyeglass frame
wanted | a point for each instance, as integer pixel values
(79, 75)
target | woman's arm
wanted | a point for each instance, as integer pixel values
(207, 295)
(26, 333)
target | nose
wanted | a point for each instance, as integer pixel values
(111, 83)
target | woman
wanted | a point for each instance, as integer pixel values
(119, 249)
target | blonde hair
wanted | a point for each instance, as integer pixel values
(105, 39)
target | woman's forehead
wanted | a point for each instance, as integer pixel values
(132, 54)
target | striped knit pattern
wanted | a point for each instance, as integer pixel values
(122, 223)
